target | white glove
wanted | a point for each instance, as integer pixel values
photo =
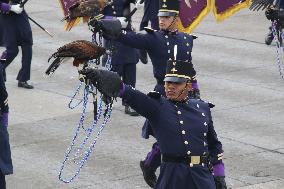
(122, 22)
(139, 4)
(16, 8)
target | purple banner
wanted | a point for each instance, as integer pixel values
(190, 10)
(224, 5)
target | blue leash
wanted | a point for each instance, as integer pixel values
(81, 162)
(80, 156)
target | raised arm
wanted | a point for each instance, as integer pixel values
(136, 40)
(110, 85)
(146, 106)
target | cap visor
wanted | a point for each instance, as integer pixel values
(167, 14)
(175, 79)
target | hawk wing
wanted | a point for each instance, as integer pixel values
(81, 50)
(261, 4)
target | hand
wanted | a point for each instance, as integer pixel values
(107, 82)
(139, 4)
(220, 182)
(16, 9)
(110, 28)
(123, 22)
(271, 14)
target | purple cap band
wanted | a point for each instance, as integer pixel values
(219, 169)
(5, 8)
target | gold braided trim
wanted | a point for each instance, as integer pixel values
(168, 10)
(177, 75)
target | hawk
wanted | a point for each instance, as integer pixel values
(81, 50)
(86, 9)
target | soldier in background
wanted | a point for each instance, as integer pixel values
(277, 14)
(151, 8)
(124, 58)
(16, 32)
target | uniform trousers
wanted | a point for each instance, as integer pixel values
(12, 52)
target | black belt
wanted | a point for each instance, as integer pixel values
(189, 160)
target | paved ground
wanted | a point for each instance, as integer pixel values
(237, 72)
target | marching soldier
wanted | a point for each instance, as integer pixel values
(160, 47)
(183, 127)
(278, 15)
(124, 58)
(151, 8)
(16, 32)
(6, 166)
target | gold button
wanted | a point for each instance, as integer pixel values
(191, 164)
(187, 44)
(187, 52)
(168, 43)
(205, 144)
(203, 114)
(179, 112)
(114, 12)
(205, 123)
(166, 36)
(188, 152)
(183, 132)
(184, 37)
(197, 105)
(202, 164)
(181, 122)
(205, 134)
(185, 142)
(169, 51)
(204, 153)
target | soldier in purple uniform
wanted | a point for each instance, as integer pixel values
(151, 8)
(124, 58)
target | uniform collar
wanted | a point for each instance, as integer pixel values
(170, 32)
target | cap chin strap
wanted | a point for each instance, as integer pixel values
(181, 92)
(175, 17)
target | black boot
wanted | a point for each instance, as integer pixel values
(269, 37)
(148, 174)
(128, 110)
(143, 56)
(25, 85)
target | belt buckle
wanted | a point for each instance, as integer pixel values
(195, 160)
